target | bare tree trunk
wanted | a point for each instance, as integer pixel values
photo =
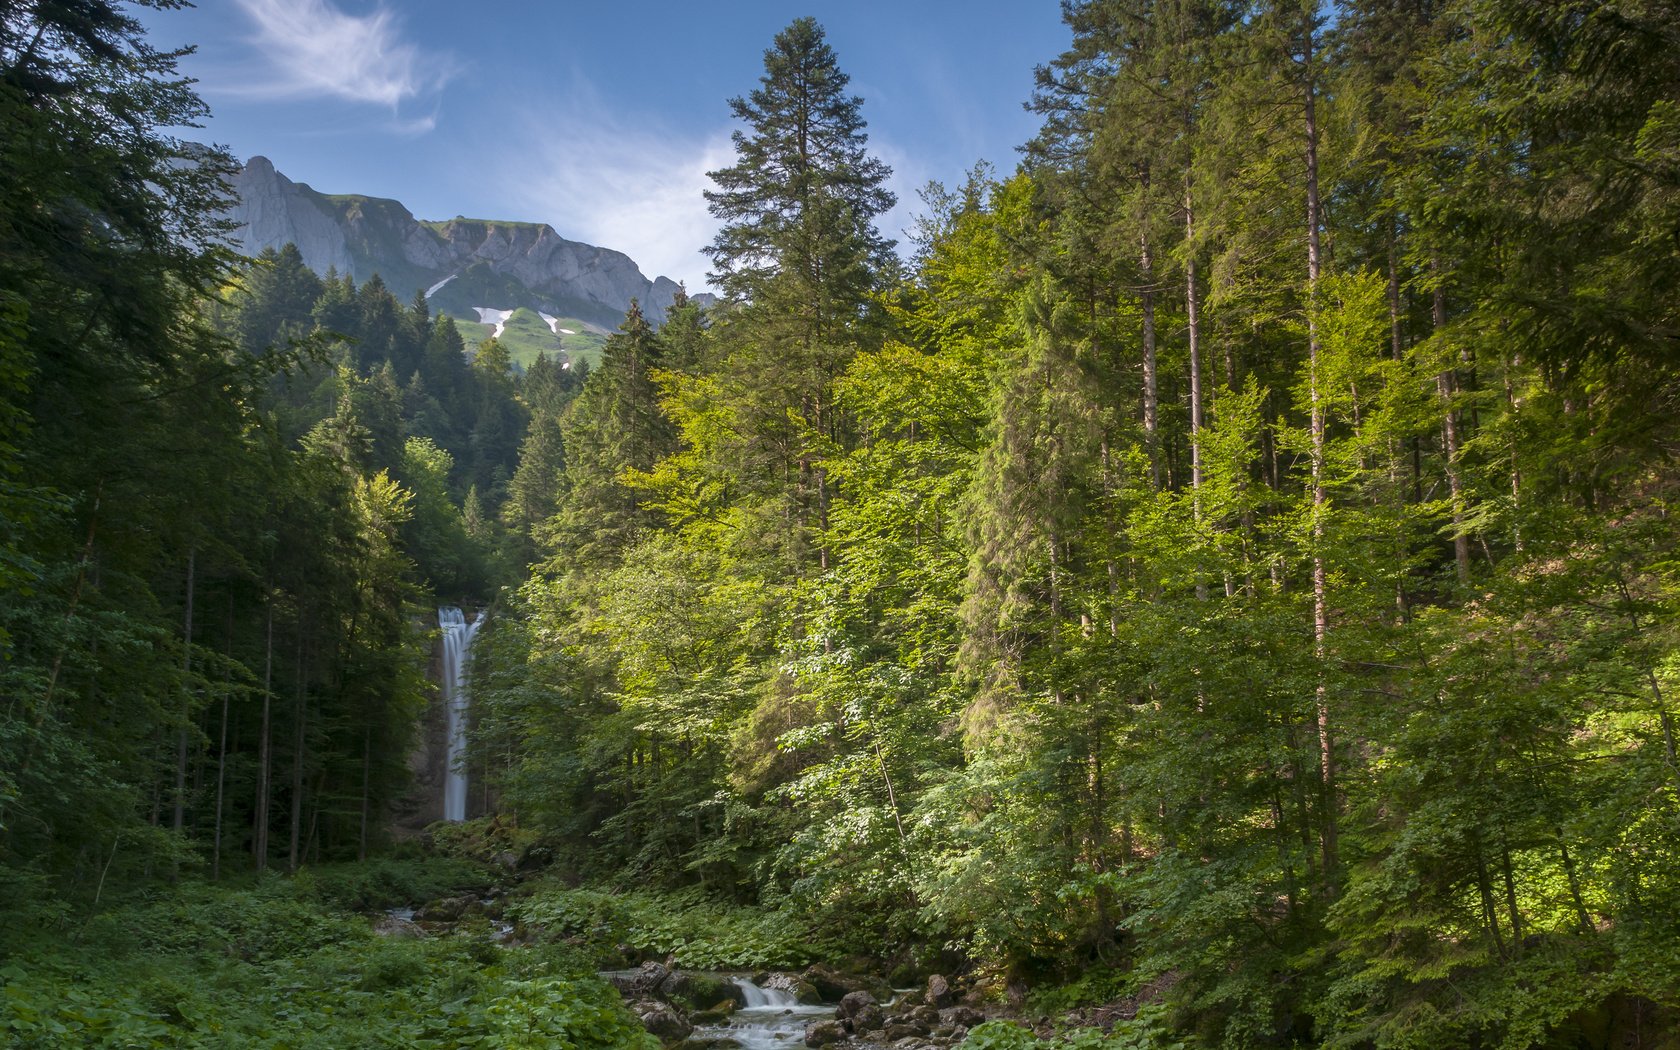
(298, 742)
(265, 749)
(180, 817)
(1446, 385)
(1151, 383)
(1321, 609)
(1192, 308)
(367, 776)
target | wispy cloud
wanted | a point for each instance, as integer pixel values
(639, 187)
(317, 50)
(620, 184)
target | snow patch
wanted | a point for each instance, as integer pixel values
(552, 321)
(434, 289)
(499, 318)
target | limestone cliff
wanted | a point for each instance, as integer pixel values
(463, 263)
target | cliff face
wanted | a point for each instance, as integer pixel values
(463, 263)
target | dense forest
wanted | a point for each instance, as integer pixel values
(1219, 568)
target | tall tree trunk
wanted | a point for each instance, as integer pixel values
(1445, 386)
(265, 746)
(1321, 608)
(1192, 309)
(1151, 382)
(180, 816)
(298, 742)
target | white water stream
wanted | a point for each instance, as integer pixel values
(457, 648)
(771, 1019)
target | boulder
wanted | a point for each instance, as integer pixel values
(962, 1016)
(803, 990)
(822, 1033)
(396, 928)
(449, 909)
(924, 1015)
(897, 1031)
(868, 1018)
(832, 984)
(853, 1002)
(939, 992)
(662, 1020)
(644, 982)
(696, 990)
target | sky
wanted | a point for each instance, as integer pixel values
(600, 119)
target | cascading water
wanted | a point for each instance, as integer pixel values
(771, 1018)
(457, 647)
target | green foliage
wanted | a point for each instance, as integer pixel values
(272, 967)
(695, 932)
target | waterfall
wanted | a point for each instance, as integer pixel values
(457, 646)
(758, 998)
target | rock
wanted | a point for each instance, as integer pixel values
(397, 929)
(832, 985)
(852, 1002)
(662, 1020)
(507, 860)
(715, 1015)
(962, 1016)
(695, 990)
(644, 982)
(939, 992)
(867, 1019)
(899, 1031)
(449, 909)
(822, 1033)
(528, 263)
(959, 1033)
(924, 1015)
(802, 990)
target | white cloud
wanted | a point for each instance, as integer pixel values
(318, 50)
(639, 188)
(631, 188)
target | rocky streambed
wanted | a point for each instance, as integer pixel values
(816, 1007)
(819, 1006)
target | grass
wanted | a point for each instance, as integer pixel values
(528, 335)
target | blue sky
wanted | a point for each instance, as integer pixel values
(600, 119)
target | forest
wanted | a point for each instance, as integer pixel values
(1212, 586)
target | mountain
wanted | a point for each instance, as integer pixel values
(465, 266)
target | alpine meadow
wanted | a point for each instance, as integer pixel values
(1208, 585)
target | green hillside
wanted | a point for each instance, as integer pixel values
(526, 335)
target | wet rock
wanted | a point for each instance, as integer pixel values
(695, 990)
(832, 984)
(397, 928)
(713, 1015)
(962, 1016)
(868, 1019)
(662, 1020)
(803, 991)
(641, 983)
(822, 1033)
(449, 909)
(852, 1002)
(939, 992)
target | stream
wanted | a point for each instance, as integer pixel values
(771, 1018)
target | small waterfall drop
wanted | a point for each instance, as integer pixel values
(457, 647)
(769, 1019)
(756, 998)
